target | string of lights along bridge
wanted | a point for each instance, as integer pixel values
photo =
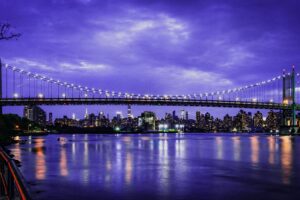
(21, 87)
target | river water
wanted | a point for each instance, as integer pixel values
(161, 166)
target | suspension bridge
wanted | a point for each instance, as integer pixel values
(19, 87)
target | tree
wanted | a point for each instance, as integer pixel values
(6, 33)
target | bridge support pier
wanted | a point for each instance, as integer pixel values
(289, 120)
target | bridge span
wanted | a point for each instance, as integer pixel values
(142, 101)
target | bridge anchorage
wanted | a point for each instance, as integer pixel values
(19, 87)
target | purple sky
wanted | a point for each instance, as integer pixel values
(148, 46)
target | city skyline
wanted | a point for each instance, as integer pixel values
(182, 121)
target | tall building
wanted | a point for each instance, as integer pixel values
(198, 117)
(147, 121)
(86, 115)
(119, 115)
(227, 123)
(182, 114)
(258, 121)
(35, 114)
(186, 115)
(129, 113)
(242, 121)
(50, 120)
(174, 114)
(272, 121)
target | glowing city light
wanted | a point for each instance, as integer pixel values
(16, 95)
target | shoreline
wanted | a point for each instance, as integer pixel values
(154, 132)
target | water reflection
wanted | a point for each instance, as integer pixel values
(286, 158)
(40, 163)
(63, 162)
(236, 148)
(173, 165)
(128, 168)
(219, 143)
(17, 151)
(271, 144)
(180, 148)
(254, 150)
(164, 163)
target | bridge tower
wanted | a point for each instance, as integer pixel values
(288, 97)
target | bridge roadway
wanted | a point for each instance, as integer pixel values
(142, 101)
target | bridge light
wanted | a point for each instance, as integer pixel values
(85, 95)
(16, 95)
(220, 98)
(63, 95)
(286, 102)
(40, 95)
(237, 99)
(254, 99)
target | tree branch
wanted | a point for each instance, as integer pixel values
(6, 34)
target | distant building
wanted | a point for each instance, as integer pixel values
(119, 115)
(273, 121)
(184, 115)
(174, 115)
(67, 122)
(35, 114)
(86, 115)
(242, 121)
(258, 121)
(50, 120)
(147, 121)
(129, 113)
(227, 123)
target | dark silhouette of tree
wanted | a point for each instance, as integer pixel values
(6, 33)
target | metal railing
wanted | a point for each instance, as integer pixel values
(12, 184)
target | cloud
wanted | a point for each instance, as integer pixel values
(84, 66)
(27, 64)
(155, 26)
(80, 66)
(175, 79)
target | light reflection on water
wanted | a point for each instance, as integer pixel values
(254, 150)
(40, 163)
(286, 158)
(271, 143)
(162, 166)
(236, 148)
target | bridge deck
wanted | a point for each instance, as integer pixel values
(142, 101)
